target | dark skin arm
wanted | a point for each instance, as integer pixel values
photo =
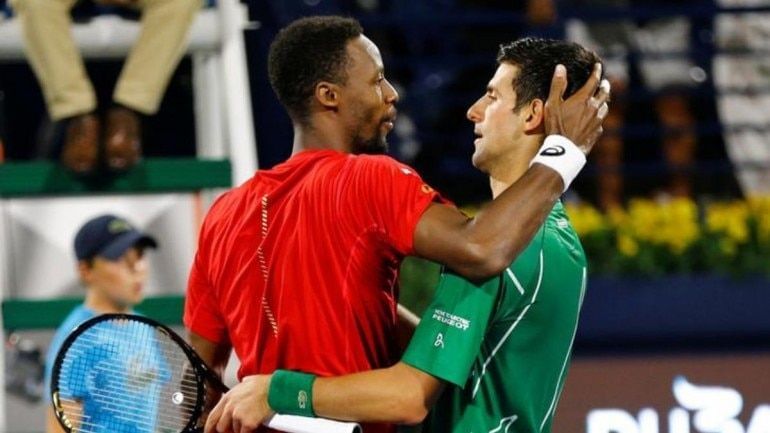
(215, 356)
(481, 247)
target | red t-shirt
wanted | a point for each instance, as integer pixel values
(298, 266)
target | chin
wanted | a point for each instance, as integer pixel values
(135, 300)
(479, 164)
(375, 146)
(476, 160)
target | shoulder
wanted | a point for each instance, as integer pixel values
(560, 236)
(384, 172)
(77, 316)
(229, 203)
(381, 163)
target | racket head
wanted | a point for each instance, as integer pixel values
(127, 373)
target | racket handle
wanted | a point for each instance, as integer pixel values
(301, 424)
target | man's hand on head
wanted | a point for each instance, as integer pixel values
(580, 116)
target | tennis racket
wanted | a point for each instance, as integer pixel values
(122, 373)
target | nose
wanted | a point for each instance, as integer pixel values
(391, 94)
(474, 113)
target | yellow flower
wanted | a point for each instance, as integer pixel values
(643, 220)
(617, 217)
(760, 210)
(729, 219)
(585, 218)
(628, 246)
(673, 224)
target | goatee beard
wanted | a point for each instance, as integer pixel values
(376, 145)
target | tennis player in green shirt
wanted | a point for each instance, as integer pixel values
(500, 347)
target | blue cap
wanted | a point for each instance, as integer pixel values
(109, 236)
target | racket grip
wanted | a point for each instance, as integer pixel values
(301, 424)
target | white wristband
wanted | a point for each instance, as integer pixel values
(561, 154)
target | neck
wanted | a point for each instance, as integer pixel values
(322, 133)
(513, 166)
(97, 302)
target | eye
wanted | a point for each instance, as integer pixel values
(491, 97)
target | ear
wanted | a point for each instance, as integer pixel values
(84, 271)
(534, 122)
(327, 94)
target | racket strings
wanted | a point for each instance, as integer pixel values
(127, 376)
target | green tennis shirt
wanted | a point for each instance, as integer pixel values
(505, 343)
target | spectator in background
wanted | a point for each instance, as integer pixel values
(667, 70)
(113, 269)
(69, 95)
(741, 75)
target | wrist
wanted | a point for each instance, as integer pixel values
(291, 393)
(561, 155)
(263, 403)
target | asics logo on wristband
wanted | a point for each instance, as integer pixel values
(553, 151)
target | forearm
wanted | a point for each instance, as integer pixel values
(214, 355)
(483, 246)
(399, 394)
(506, 225)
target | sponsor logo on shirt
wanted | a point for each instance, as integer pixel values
(451, 319)
(439, 341)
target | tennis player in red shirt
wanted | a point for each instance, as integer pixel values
(297, 268)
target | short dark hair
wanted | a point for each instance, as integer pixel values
(305, 52)
(537, 58)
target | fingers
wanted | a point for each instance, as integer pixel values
(602, 111)
(589, 88)
(604, 92)
(213, 419)
(599, 101)
(225, 421)
(558, 85)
